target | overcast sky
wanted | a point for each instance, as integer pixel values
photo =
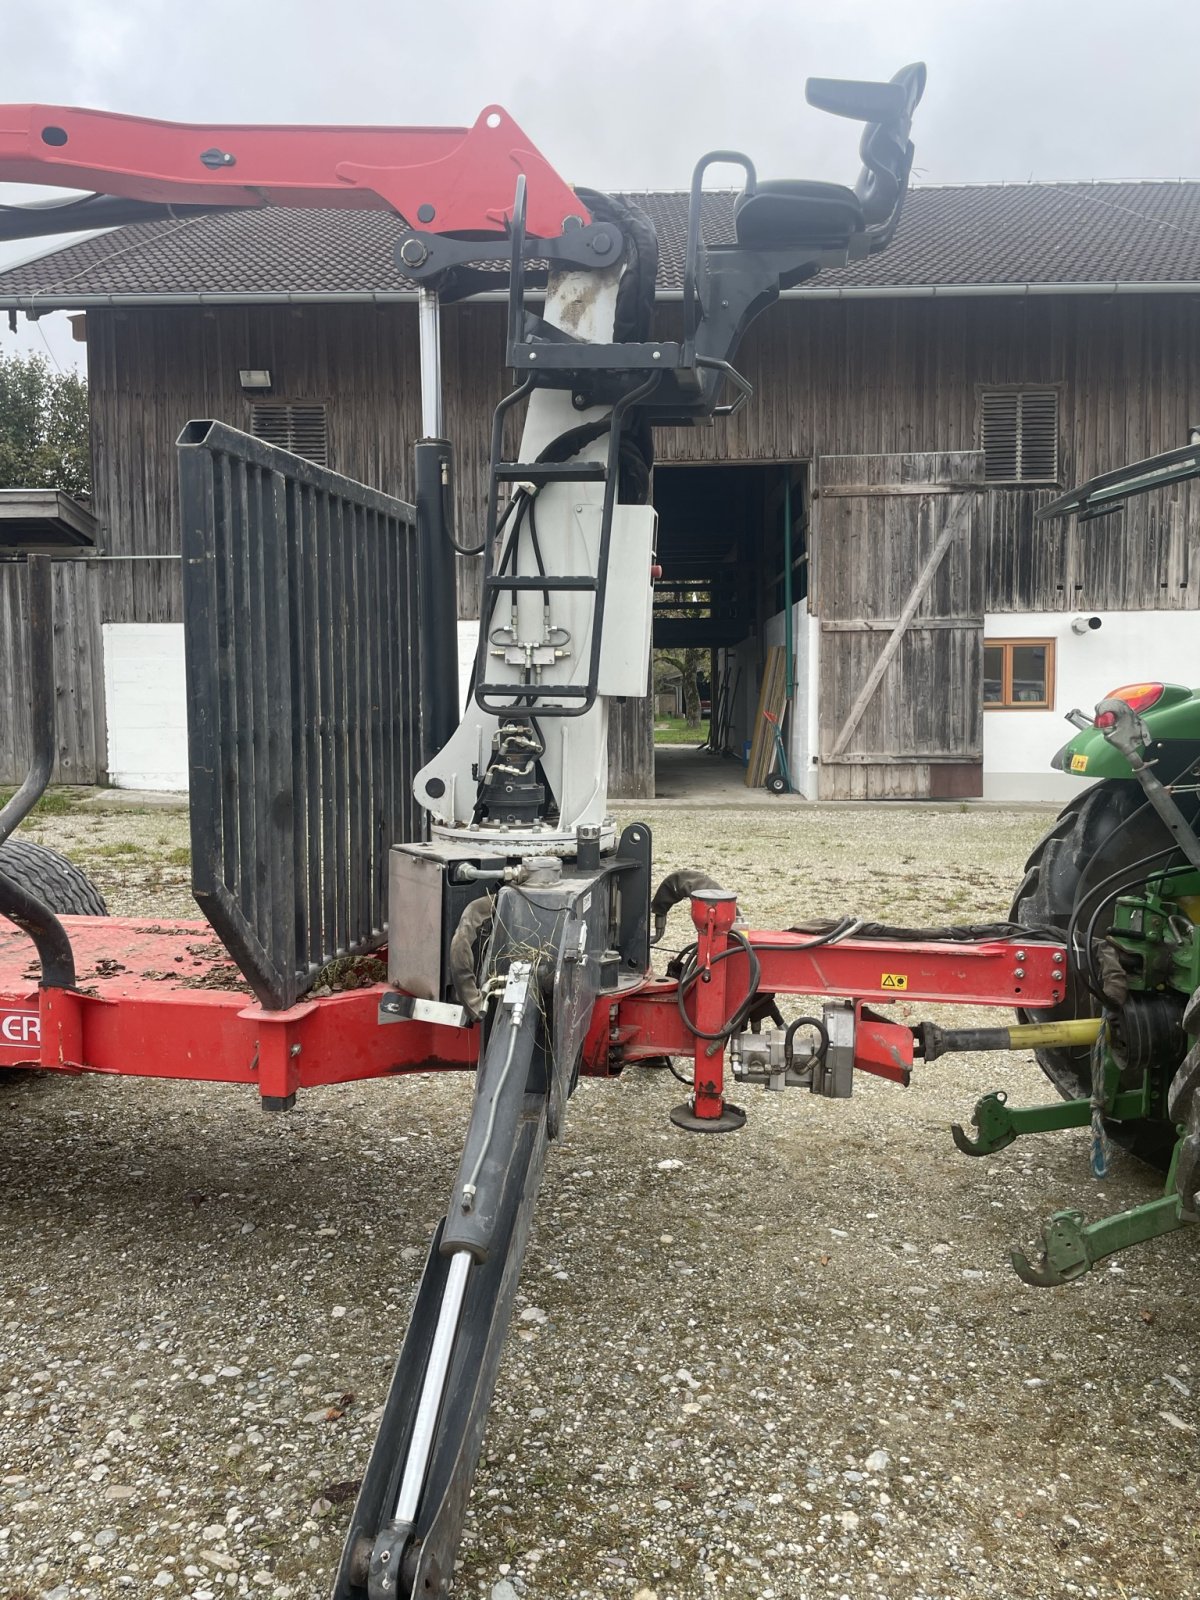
(627, 94)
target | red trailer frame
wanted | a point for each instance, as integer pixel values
(161, 999)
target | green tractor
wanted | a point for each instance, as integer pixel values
(1117, 877)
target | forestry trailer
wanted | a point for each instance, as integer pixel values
(339, 803)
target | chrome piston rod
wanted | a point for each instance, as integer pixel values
(433, 1389)
(385, 1567)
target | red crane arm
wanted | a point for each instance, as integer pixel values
(444, 180)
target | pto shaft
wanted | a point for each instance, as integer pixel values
(933, 1041)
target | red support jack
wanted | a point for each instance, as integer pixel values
(713, 915)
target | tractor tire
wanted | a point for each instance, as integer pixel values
(1107, 829)
(1183, 1106)
(61, 886)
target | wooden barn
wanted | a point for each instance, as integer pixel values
(910, 414)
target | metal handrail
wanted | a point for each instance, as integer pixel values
(691, 264)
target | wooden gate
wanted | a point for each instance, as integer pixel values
(898, 587)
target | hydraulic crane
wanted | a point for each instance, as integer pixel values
(521, 922)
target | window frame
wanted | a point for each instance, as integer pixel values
(1026, 387)
(1006, 702)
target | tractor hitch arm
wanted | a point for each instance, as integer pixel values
(1072, 1247)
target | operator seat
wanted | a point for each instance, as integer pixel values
(796, 211)
(801, 212)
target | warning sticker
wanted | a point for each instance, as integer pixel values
(1079, 763)
(894, 980)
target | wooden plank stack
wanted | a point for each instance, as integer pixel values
(772, 698)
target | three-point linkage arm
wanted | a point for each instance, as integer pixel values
(443, 180)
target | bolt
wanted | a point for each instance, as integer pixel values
(295, 1050)
(1018, 972)
(1020, 955)
(657, 355)
(533, 355)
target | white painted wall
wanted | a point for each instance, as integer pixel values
(468, 639)
(147, 719)
(802, 720)
(1128, 647)
(145, 705)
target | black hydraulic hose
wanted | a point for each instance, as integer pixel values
(794, 1027)
(1136, 875)
(537, 551)
(1124, 877)
(688, 978)
(676, 886)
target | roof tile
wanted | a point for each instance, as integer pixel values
(1038, 233)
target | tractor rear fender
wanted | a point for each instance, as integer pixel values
(1174, 726)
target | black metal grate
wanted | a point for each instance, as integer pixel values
(303, 684)
(296, 426)
(1019, 435)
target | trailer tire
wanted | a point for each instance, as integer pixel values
(62, 887)
(1105, 828)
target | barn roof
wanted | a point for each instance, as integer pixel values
(962, 239)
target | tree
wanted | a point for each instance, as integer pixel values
(689, 662)
(43, 427)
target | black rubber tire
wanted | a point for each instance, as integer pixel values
(777, 784)
(62, 886)
(1107, 828)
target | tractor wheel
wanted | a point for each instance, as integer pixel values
(61, 886)
(1107, 830)
(1183, 1106)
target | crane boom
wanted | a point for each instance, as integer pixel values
(445, 180)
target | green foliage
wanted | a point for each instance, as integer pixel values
(43, 427)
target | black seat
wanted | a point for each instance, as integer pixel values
(795, 211)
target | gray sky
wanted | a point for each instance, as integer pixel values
(627, 94)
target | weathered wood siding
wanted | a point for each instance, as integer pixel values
(884, 376)
(152, 370)
(898, 585)
(78, 674)
(831, 378)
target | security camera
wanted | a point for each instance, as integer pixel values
(1085, 624)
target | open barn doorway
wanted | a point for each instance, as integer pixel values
(733, 549)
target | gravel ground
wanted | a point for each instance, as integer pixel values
(788, 1363)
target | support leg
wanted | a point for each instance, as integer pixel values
(708, 1000)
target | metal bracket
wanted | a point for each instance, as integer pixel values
(458, 266)
(395, 1007)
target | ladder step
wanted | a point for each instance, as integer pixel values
(581, 585)
(555, 354)
(532, 691)
(550, 472)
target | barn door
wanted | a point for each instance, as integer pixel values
(898, 589)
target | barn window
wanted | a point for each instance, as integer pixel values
(1018, 431)
(1018, 674)
(296, 426)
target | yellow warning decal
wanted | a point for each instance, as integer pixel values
(1079, 763)
(894, 980)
